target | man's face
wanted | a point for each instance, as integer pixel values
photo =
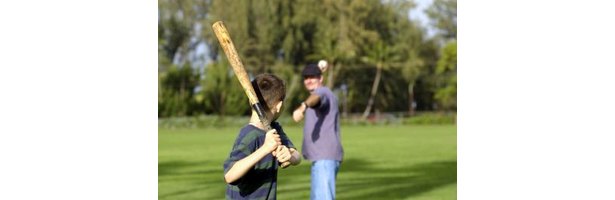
(312, 82)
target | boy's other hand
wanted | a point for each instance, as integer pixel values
(285, 164)
(288, 163)
(282, 154)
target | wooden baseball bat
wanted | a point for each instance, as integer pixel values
(240, 72)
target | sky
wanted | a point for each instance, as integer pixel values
(419, 13)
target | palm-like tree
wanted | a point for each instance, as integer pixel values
(334, 44)
(411, 69)
(383, 57)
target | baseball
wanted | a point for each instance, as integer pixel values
(322, 64)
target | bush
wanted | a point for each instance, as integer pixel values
(432, 118)
(202, 121)
(209, 121)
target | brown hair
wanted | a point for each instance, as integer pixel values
(269, 89)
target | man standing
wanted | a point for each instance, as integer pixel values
(321, 133)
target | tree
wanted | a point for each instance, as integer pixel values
(446, 93)
(177, 91)
(180, 29)
(254, 27)
(390, 42)
(179, 33)
(443, 14)
(333, 42)
(381, 56)
(222, 93)
(372, 39)
(408, 38)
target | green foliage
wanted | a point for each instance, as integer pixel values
(446, 94)
(181, 27)
(214, 121)
(432, 118)
(176, 91)
(295, 91)
(443, 14)
(201, 121)
(222, 92)
(367, 43)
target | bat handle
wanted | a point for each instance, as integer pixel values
(261, 115)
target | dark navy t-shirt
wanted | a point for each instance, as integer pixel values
(260, 181)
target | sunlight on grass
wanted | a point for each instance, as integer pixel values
(380, 162)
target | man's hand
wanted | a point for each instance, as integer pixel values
(272, 141)
(298, 113)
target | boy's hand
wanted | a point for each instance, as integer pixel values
(282, 154)
(282, 164)
(272, 141)
(287, 163)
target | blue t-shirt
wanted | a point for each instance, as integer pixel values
(321, 132)
(260, 181)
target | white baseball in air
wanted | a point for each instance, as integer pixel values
(322, 64)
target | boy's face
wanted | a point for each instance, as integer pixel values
(312, 82)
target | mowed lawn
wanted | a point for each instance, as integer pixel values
(380, 162)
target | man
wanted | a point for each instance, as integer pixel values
(321, 133)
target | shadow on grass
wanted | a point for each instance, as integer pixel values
(359, 179)
(396, 182)
(196, 176)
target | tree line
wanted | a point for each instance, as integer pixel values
(380, 60)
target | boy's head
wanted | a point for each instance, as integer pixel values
(271, 92)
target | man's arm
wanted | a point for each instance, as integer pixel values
(241, 167)
(311, 101)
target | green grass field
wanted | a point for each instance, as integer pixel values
(380, 162)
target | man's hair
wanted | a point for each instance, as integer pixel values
(269, 89)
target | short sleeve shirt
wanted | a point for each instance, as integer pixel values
(321, 133)
(260, 181)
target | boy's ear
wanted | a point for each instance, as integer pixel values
(278, 107)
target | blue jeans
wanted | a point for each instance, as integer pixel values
(324, 173)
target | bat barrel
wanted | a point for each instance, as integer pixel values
(233, 57)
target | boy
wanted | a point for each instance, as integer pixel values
(251, 169)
